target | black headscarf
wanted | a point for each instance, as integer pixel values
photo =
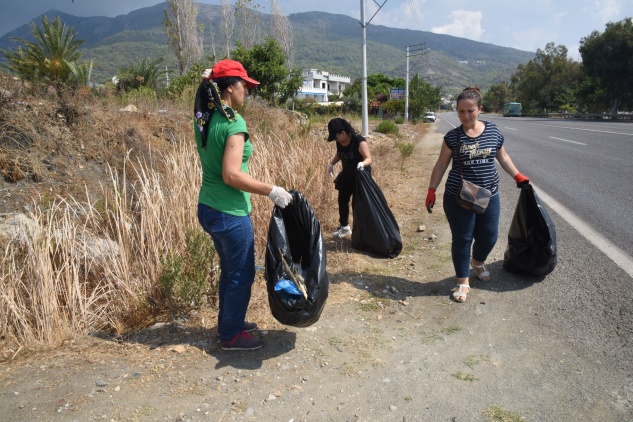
(207, 100)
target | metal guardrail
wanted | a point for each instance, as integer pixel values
(578, 116)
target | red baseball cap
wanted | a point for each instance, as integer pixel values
(228, 67)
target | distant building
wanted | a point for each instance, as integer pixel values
(322, 85)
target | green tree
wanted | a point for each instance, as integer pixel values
(548, 81)
(592, 97)
(608, 57)
(45, 61)
(267, 64)
(422, 97)
(496, 97)
(377, 84)
(393, 107)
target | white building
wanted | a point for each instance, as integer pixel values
(322, 85)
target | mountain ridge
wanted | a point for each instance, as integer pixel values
(325, 41)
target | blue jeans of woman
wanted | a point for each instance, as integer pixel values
(466, 227)
(234, 242)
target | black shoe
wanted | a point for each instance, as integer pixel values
(242, 341)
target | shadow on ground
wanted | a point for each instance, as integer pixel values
(172, 334)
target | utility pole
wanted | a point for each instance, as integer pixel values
(363, 26)
(420, 51)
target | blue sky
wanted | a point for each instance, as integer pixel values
(526, 25)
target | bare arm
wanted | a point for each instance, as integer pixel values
(232, 173)
(506, 162)
(446, 155)
(363, 149)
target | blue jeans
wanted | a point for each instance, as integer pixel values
(234, 242)
(467, 226)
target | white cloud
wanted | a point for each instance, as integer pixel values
(608, 10)
(465, 24)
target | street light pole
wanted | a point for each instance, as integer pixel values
(406, 91)
(421, 51)
(363, 25)
(365, 125)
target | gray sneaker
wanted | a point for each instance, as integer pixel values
(342, 232)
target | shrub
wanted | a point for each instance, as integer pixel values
(399, 120)
(387, 126)
(406, 149)
(187, 279)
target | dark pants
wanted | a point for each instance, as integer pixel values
(345, 183)
(467, 226)
(234, 243)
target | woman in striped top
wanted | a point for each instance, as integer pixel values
(478, 144)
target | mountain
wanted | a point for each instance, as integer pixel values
(323, 41)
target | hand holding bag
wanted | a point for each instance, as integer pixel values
(470, 196)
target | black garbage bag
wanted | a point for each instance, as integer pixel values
(532, 237)
(296, 253)
(375, 228)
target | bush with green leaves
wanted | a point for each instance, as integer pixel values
(187, 84)
(188, 277)
(387, 127)
(406, 149)
(399, 120)
(143, 73)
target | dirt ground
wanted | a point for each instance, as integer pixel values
(390, 346)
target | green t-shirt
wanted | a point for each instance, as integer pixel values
(213, 191)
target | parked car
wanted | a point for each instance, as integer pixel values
(429, 117)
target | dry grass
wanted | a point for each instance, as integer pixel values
(124, 193)
(93, 260)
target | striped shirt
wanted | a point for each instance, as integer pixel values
(477, 156)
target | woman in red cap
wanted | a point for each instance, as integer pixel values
(224, 206)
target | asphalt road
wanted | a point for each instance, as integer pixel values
(585, 168)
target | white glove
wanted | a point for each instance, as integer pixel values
(206, 74)
(360, 166)
(280, 197)
(330, 170)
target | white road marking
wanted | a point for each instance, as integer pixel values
(566, 140)
(586, 130)
(616, 254)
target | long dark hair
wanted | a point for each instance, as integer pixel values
(208, 98)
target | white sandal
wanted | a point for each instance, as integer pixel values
(484, 275)
(460, 292)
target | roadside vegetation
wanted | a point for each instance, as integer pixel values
(127, 250)
(554, 82)
(120, 248)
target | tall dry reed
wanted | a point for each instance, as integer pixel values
(93, 263)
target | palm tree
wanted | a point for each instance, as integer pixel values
(145, 73)
(46, 60)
